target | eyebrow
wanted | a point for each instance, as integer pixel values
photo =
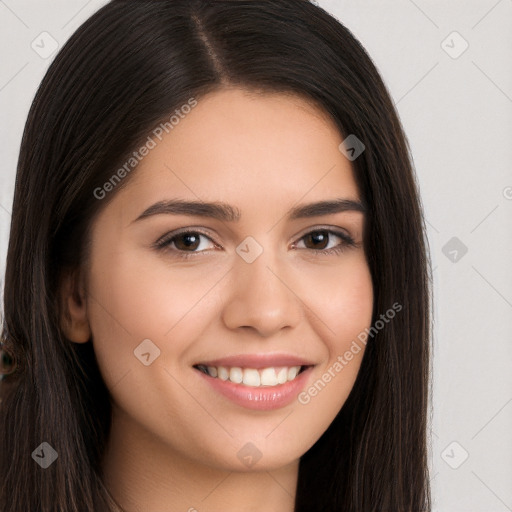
(227, 213)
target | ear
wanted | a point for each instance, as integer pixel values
(73, 317)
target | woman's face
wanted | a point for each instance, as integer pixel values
(240, 268)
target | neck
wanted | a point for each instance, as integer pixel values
(142, 474)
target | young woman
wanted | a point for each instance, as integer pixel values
(217, 286)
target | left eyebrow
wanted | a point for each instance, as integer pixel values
(326, 208)
(228, 213)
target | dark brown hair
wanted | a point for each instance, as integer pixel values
(124, 70)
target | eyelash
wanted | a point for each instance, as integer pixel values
(164, 242)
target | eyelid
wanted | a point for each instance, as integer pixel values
(336, 230)
(164, 240)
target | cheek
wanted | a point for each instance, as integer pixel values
(133, 298)
(351, 304)
(341, 297)
(344, 309)
(349, 314)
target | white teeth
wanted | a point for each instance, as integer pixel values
(251, 377)
(271, 376)
(222, 372)
(236, 375)
(292, 372)
(282, 376)
(268, 377)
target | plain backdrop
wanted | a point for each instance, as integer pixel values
(447, 65)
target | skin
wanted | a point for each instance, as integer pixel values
(174, 440)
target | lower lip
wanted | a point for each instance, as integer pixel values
(263, 398)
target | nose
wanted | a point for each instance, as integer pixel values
(261, 297)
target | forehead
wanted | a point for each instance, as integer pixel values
(245, 148)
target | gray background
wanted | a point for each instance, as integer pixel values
(456, 108)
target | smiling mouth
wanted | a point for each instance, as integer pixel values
(252, 377)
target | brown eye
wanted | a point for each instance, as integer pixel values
(325, 241)
(187, 241)
(317, 240)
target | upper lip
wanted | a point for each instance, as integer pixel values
(258, 361)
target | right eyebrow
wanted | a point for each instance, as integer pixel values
(220, 211)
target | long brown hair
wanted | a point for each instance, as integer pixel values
(124, 70)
